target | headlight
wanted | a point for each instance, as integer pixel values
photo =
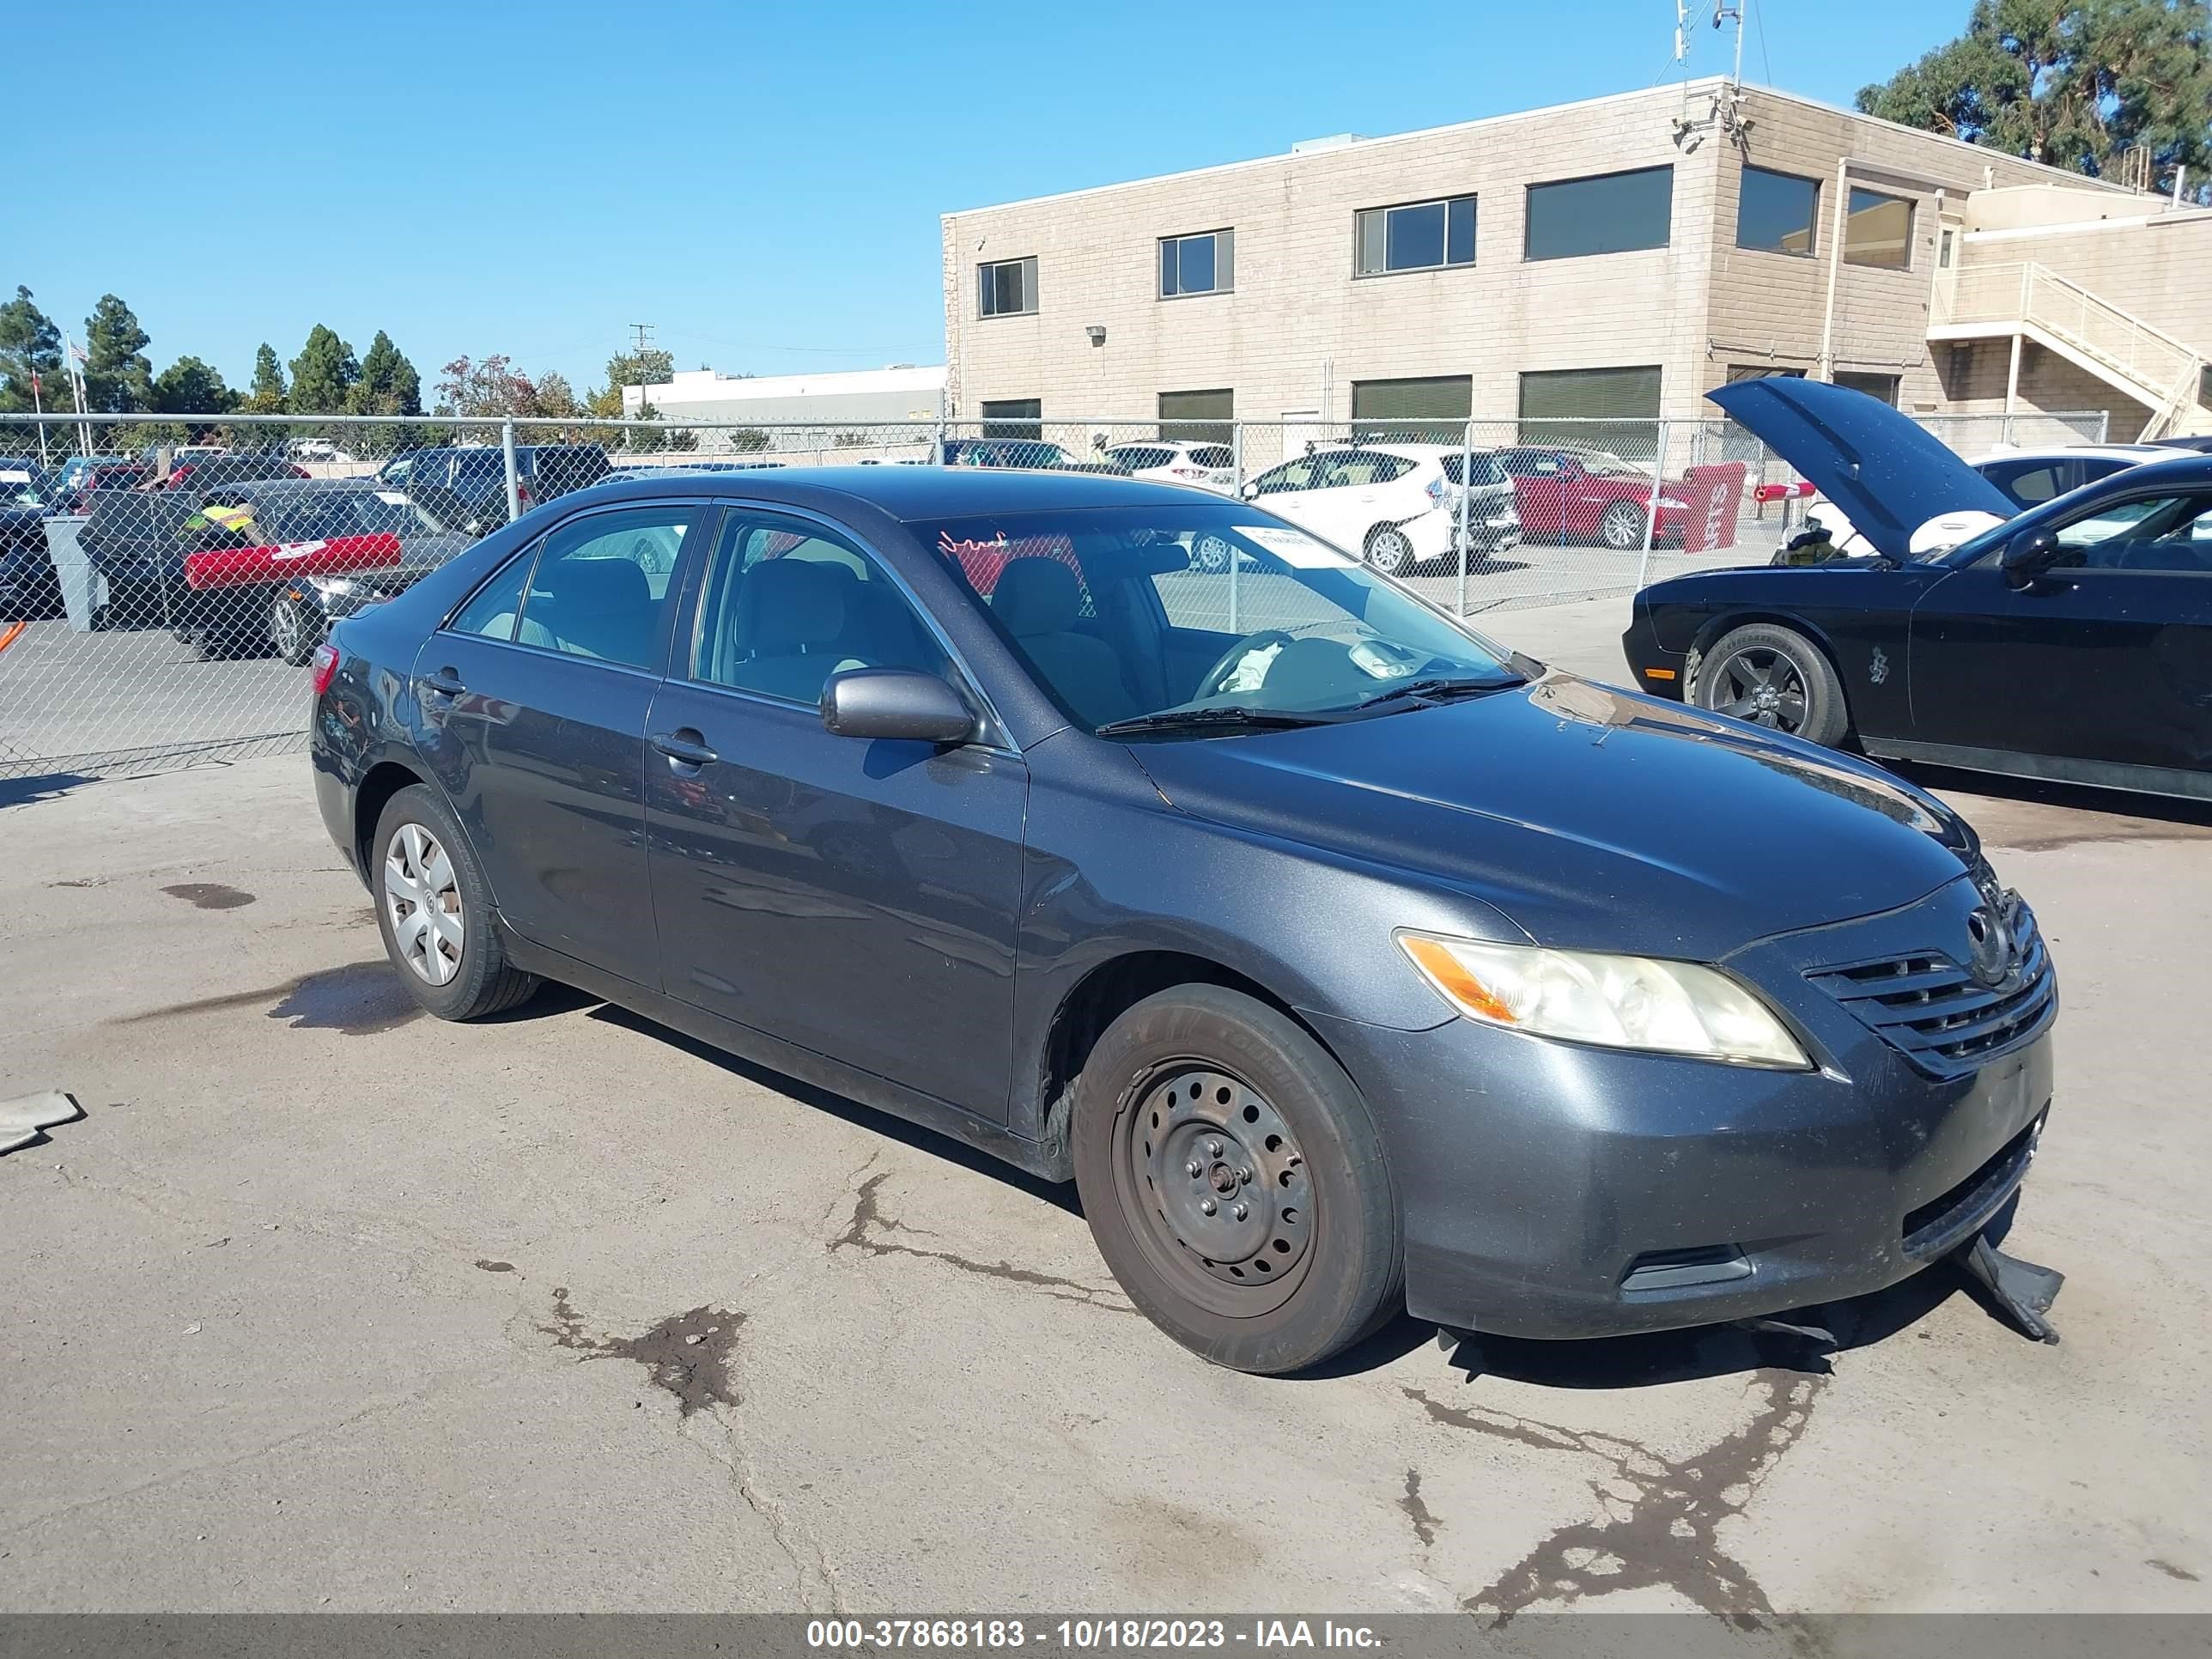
(330, 587)
(1674, 506)
(1617, 1002)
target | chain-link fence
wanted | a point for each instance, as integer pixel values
(162, 582)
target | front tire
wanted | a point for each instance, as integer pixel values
(1773, 677)
(433, 909)
(293, 631)
(1234, 1182)
(1621, 527)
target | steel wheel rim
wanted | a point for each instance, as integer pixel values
(1763, 686)
(1190, 1135)
(1388, 552)
(284, 627)
(423, 903)
(1622, 527)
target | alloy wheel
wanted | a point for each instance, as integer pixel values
(422, 901)
(1388, 552)
(1214, 1187)
(1621, 528)
(286, 630)
(1762, 685)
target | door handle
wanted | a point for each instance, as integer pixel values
(686, 750)
(446, 682)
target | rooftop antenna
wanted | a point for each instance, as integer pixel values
(1725, 113)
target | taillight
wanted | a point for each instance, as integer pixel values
(1189, 471)
(325, 667)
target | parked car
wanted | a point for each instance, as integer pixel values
(290, 615)
(2201, 443)
(2026, 478)
(2073, 641)
(1033, 454)
(202, 467)
(75, 479)
(1345, 961)
(465, 485)
(29, 590)
(1396, 504)
(323, 450)
(1565, 493)
(1210, 466)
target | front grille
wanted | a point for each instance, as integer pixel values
(1940, 1222)
(1938, 1014)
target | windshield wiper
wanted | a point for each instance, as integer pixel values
(1169, 719)
(1442, 690)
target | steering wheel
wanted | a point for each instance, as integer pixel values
(1209, 684)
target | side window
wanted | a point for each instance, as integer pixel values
(2160, 533)
(492, 612)
(601, 585)
(787, 604)
(2029, 482)
(1291, 475)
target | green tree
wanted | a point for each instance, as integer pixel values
(2075, 85)
(557, 399)
(268, 395)
(388, 383)
(29, 345)
(651, 366)
(117, 377)
(189, 386)
(323, 374)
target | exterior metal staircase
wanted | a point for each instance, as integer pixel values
(2033, 303)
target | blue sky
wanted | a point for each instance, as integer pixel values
(761, 182)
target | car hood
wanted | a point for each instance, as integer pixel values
(1887, 474)
(1590, 817)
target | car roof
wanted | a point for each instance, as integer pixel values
(2069, 452)
(911, 492)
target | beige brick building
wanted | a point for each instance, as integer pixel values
(1614, 258)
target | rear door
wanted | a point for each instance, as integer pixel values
(2105, 662)
(856, 898)
(534, 697)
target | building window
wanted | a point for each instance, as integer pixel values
(1196, 418)
(1419, 236)
(1878, 231)
(1612, 213)
(1615, 410)
(1014, 417)
(1762, 372)
(1775, 212)
(1430, 410)
(1882, 386)
(1008, 289)
(1943, 247)
(1204, 264)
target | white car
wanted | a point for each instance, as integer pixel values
(1396, 504)
(1210, 466)
(2028, 477)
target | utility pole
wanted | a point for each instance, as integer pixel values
(644, 339)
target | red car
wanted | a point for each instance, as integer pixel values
(1569, 495)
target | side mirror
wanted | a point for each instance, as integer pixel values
(2028, 555)
(1250, 489)
(897, 704)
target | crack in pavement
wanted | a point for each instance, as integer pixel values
(864, 1231)
(1424, 1522)
(688, 1353)
(1659, 1520)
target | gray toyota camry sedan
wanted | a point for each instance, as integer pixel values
(1345, 961)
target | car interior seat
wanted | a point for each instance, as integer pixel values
(600, 608)
(790, 626)
(1037, 600)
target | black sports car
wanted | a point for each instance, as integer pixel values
(2073, 641)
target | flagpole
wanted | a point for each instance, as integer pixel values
(72, 359)
(38, 409)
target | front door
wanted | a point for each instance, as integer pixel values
(535, 698)
(857, 898)
(2105, 660)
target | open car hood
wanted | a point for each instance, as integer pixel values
(1887, 474)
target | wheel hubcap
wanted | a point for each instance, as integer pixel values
(1219, 1187)
(422, 901)
(1623, 528)
(1762, 686)
(1388, 553)
(284, 626)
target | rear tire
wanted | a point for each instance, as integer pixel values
(452, 961)
(1389, 552)
(1300, 1253)
(293, 632)
(1775, 678)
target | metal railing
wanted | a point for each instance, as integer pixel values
(2144, 359)
(158, 631)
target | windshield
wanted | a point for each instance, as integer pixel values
(20, 487)
(1205, 612)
